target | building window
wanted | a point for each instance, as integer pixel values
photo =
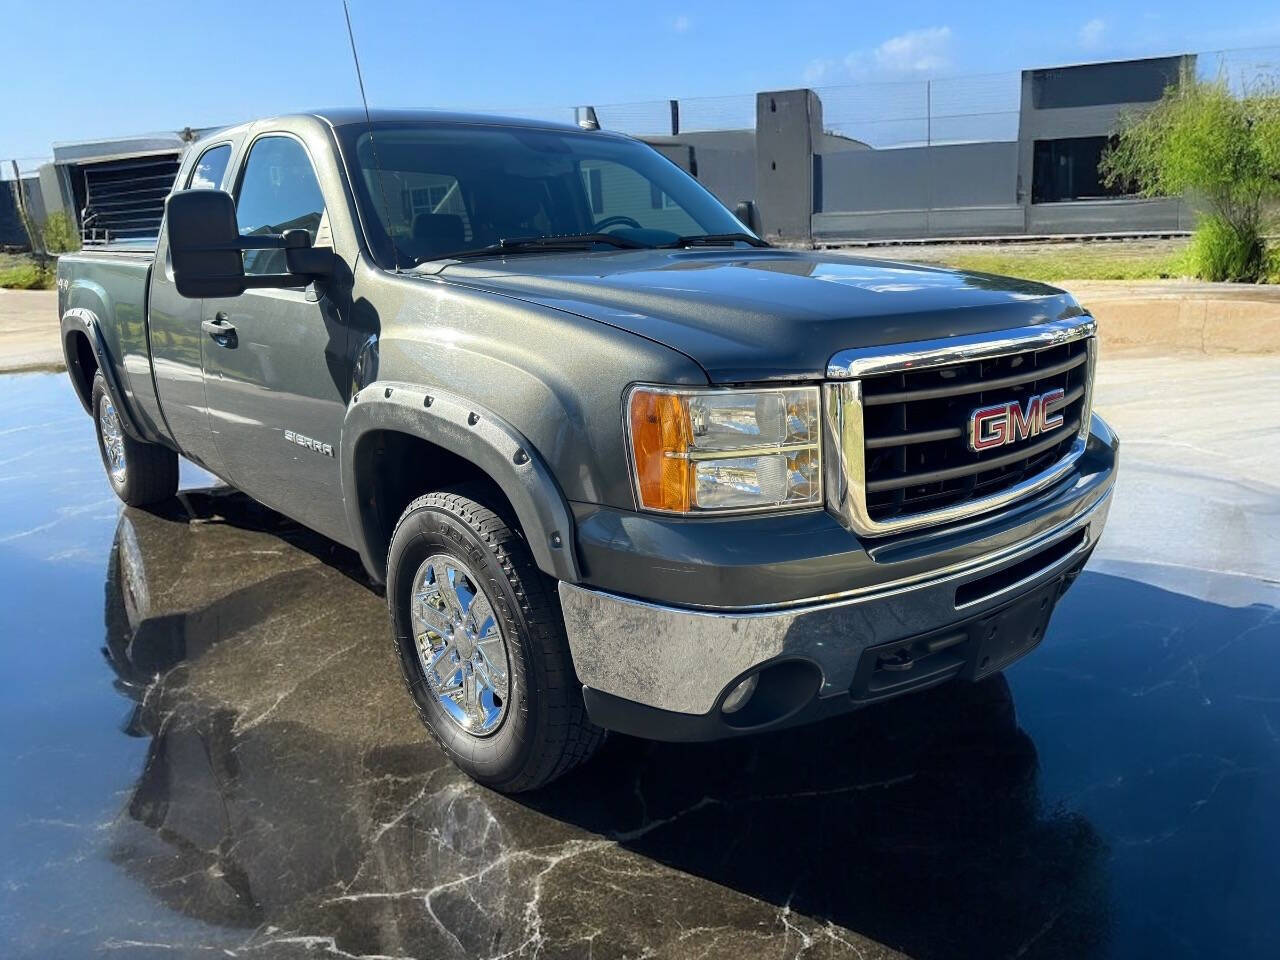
(1067, 169)
(429, 199)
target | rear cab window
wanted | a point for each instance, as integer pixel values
(210, 168)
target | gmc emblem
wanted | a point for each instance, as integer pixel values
(1001, 423)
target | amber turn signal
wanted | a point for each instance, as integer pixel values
(660, 437)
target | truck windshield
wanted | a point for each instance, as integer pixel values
(440, 189)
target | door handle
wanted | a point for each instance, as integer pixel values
(220, 329)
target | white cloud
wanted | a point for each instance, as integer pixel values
(914, 53)
(818, 70)
(1091, 33)
(681, 24)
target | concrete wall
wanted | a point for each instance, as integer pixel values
(1130, 85)
(724, 161)
(985, 189)
(1110, 216)
(995, 221)
(911, 178)
(788, 127)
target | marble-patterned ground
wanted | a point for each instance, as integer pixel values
(205, 750)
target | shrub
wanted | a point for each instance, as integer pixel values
(1219, 251)
(1225, 148)
(60, 234)
(26, 276)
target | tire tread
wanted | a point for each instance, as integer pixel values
(152, 470)
(569, 736)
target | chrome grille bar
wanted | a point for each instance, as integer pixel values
(847, 403)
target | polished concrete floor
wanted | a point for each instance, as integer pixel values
(205, 748)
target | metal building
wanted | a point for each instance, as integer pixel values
(114, 189)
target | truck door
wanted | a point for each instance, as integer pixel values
(176, 338)
(276, 361)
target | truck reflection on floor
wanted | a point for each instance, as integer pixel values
(289, 792)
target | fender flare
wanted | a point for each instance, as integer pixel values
(82, 320)
(477, 435)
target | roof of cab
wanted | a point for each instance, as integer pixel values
(346, 116)
(339, 117)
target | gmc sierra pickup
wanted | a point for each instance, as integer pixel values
(619, 463)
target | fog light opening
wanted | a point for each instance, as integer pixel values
(770, 694)
(739, 695)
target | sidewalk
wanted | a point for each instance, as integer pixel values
(1161, 315)
(1183, 315)
(29, 330)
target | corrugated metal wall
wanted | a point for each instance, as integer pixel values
(12, 233)
(124, 199)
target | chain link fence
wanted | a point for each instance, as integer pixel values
(1012, 152)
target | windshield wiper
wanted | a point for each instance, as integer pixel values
(567, 241)
(715, 240)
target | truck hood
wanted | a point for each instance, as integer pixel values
(751, 315)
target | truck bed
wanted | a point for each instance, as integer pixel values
(112, 283)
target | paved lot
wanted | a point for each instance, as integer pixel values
(29, 330)
(205, 747)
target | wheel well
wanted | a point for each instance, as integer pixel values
(394, 468)
(82, 365)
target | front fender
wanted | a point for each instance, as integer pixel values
(477, 435)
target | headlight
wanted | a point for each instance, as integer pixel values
(701, 451)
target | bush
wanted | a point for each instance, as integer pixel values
(26, 276)
(1219, 251)
(1202, 139)
(59, 234)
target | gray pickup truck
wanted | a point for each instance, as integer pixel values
(620, 464)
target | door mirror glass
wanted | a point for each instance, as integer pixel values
(204, 244)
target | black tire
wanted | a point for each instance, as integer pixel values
(545, 731)
(150, 470)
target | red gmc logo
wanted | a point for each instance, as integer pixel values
(1002, 423)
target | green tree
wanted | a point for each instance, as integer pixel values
(1224, 149)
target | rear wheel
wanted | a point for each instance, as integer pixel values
(140, 473)
(480, 639)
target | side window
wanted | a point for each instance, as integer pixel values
(615, 190)
(278, 192)
(210, 168)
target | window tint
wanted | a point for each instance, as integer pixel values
(278, 192)
(618, 190)
(435, 189)
(210, 167)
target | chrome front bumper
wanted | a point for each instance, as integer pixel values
(685, 661)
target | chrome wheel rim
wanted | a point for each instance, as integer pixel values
(112, 440)
(460, 644)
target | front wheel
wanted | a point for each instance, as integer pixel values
(481, 642)
(140, 473)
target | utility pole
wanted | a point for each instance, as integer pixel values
(33, 233)
(928, 156)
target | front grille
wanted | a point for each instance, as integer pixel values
(915, 426)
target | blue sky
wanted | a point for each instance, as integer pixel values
(87, 69)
